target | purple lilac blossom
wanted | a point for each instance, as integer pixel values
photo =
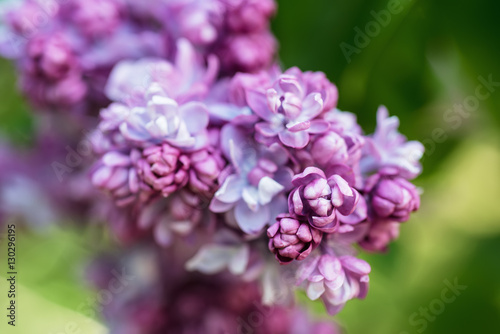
(292, 238)
(391, 196)
(318, 198)
(388, 148)
(334, 279)
(290, 109)
(253, 185)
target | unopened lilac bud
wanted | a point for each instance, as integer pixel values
(319, 198)
(292, 239)
(392, 197)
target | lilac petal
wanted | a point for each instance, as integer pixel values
(116, 159)
(330, 267)
(219, 206)
(298, 126)
(271, 231)
(383, 207)
(233, 140)
(195, 115)
(295, 204)
(312, 106)
(318, 126)
(390, 190)
(315, 290)
(334, 309)
(315, 189)
(273, 100)
(308, 175)
(231, 189)
(257, 101)
(267, 130)
(101, 176)
(307, 268)
(118, 178)
(289, 83)
(304, 233)
(358, 215)
(294, 139)
(268, 188)
(342, 185)
(349, 204)
(251, 222)
(355, 265)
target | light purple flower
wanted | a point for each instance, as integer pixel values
(320, 199)
(255, 182)
(391, 196)
(292, 239)
(162, 119)
(185, 79)
(289, 110)
(335, 279)
(388, 148)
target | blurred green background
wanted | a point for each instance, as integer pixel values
(424, 63)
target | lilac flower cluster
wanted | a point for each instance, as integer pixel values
(264, 151)
(65, 50)
(205, 146)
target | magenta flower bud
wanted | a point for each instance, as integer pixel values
(206, 166)
(292, 239)
(166, 169)
(163, 168)
(392, 197)
(319, 198)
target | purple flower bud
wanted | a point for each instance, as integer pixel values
(391, 196)
(166, 169)
(292, 239)
(163, 168)
(319, 198)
